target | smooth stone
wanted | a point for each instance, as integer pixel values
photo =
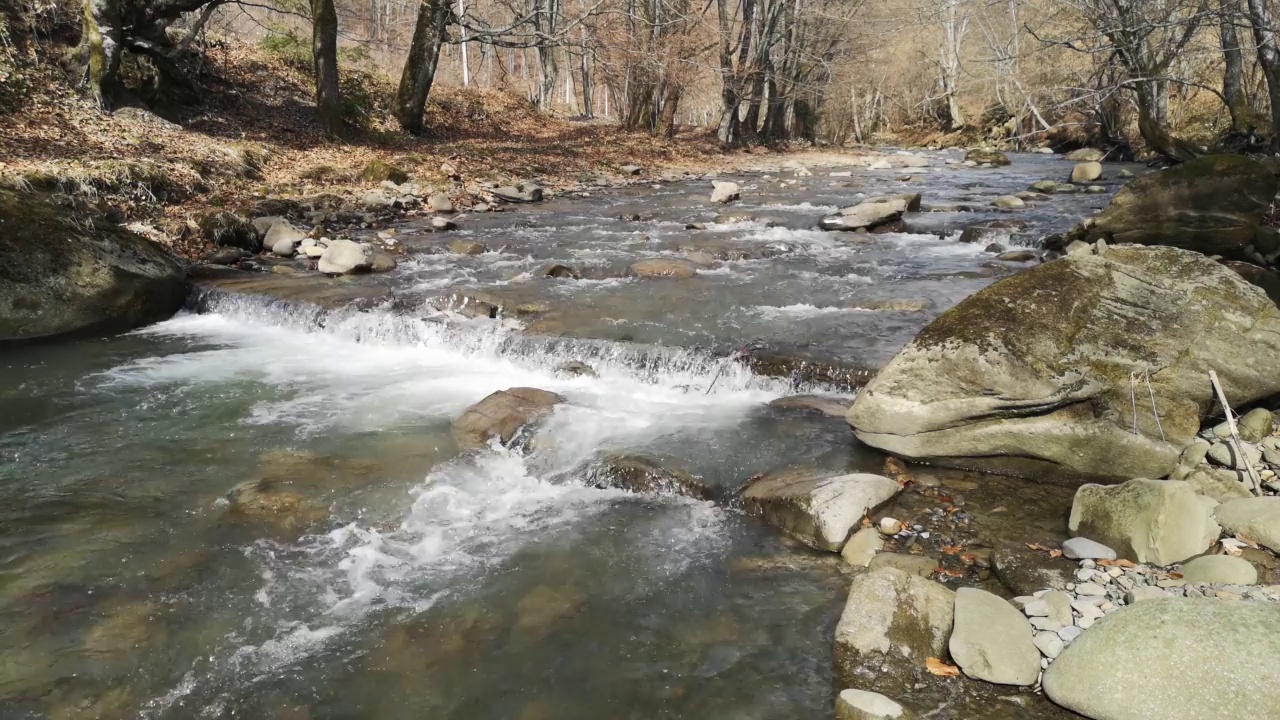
(862, 547)
(1024, 571)
(1081, 548)
(1155, 521)
(1219, 570)
(1049, 644)
(1059, 606)
(343, 257)
(1254, 425)
(1086, 172)
(1009, 202)
(863, 705)
(992, 641)
(819, 510)
(502, 416)
(724, 192)
(918, 565)
(1070, 633)
(1257, 518)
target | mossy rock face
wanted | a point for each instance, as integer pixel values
(1032, 375)
(381, 170)
(1214, 205)
(61, 272)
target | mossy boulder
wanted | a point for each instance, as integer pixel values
(1213, 205)
(62, 272)
(1032, 375)
(380, 170)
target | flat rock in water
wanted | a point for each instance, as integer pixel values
(1025, 571)
(639, 474)
(1081, 548)
(1017, 379)
(1255, 518)
(863, 705)
(818, 509)
(664, 268)
(1174, 659)
(992, 641)
(503, 415)
(891, 624)
(1219, 570)
(826, 405)
(1155, 521)
(1085, 155)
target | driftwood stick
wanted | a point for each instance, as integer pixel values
(1256, 481)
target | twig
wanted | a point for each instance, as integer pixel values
(1146, 377)
(1256, 488)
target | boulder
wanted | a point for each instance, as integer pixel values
(1085, 155)
(817, 509)
(1256, 518)
(862, 547)
(518, 193)
(992, 641)
(639, 474)
(282, 238)
(61, 272)
(343, 257)
(561, 271)
(862, 705)
(986, 155)
(1156, 521)
(891, 624)
(503, 415)
(869, 214)
(1213, 205)
(467, 247)
(724, 192)
(1174, 659)
(1219, 570)
(263, 224)
(988, 230)
(1031, 375)
(1086, 172)
(1218, 483)
(664, 268)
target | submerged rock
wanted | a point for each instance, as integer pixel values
(992, 641)
(62, 273)
(1031, 375)
(863, 705)
(826, 405)
(1174, 659)
(1155, 521)
(639, 474)
(892, 623)
(503, 415)
(817, 509)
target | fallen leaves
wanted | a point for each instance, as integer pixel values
(1037, 547)
(941, 669)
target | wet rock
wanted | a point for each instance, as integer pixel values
(225, 256)
(1025, 571)
(1156, 521)
(343, 257)
(724, 192)
(275, 502)
(467, 247)
(576, 367)
(1174, 659)
(986, 155)
(871, 213)
(801, 368)
(282, 238)
(985, 231)
(817, 509)
(825, 405)
(862, 547)
(895, 305)
(664, 268)
(863, 705)
(467, 305)
(1081, 548)
(1086, 172)
(891, 624)
(1255, 518)
(504, 415)
(1045, 186)
(639, 474)
(440, 224)
(992, 641)
(544, 605)
(1017, 256)
(1086, 155)
(1009, 202)
(519, 193)
(561, 271)
(440, 203)
(917, 565)
(1219, 570)
(994, 248)
(226, 229)
(63, 272)
(381, 262)
(1014, 380)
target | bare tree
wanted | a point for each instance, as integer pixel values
(429, 35)
(324, 50)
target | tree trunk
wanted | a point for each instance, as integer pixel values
(102, 38)
(324, 50)
(420, 67)
(1233, 68)
(751, 121)
(1152, 126)
(1269, 58)
(666, 126)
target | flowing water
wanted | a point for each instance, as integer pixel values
(371, 569)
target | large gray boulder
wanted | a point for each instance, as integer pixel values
(818, 509)
(1255, 518)
(992, 641)
(1155, 521)
(1213, 205)
(61, 272)
(1174, 659)
(872, 213)
(343, 257)
(892, 623)
(502, 416)
(1032, 374)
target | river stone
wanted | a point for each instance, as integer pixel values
(862, 547)
(1086, 172)
(343, 257)
(1254, 425)
(1156, 521)
(724, 192)
(503, 415)
(891, 624)
(1024, 571)
(918, 565)
(282, 238)
(1255, 518)
(870, 213)
(1174, 659)
(1017, 256)
(62, 272)
(440, 203)
(986, 155)
(380, 261)
(1059, 604)
(664, 268)
(862, 705)
(519, 193)
(992, 641)
(1225, 454)
(1219, 570)
(1016, 379)
(1085, 155)
(1080, 548)
(1044, 186)
(816, 509)
(640, 474)
(1213, 205)
(467, 247)
(1008, 202)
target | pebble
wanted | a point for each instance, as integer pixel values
(1045, 624)
(1090, 589)
(1049, 644)
(1086, 622)
(1084, 575)
(1036, 608)
(890, 526)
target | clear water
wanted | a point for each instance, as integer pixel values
(386, 574)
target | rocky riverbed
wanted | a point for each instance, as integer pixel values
(521, 458)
